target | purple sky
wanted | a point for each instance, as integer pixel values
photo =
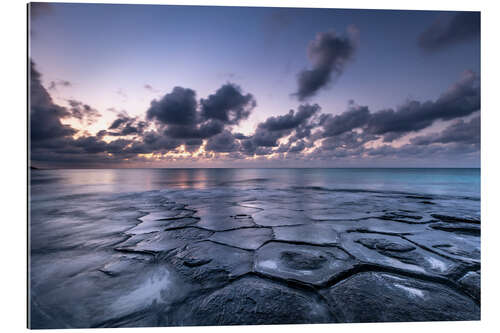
(191, 86)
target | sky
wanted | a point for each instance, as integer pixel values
(117, 86)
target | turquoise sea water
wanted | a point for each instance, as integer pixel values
(453, 182)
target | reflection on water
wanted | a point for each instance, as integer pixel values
(465, 182)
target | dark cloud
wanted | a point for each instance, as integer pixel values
(458, 132)
(347, 140)
(328, 54)
(83, 112)
(354, 117)
(178, 119)
(91, 144)
(462, 99)
(178, 112)
(224, 142)
(201, 131)
(175, 108)
(45, 116)
(118, 122)
(228, 105)
(154, 142)
(449, 29)
(266, 138)
(240, 136)
(291, 120)
(298, 147)
(59, 83)
(272, 129)
(125, 125)
(426, 152)
(192, 145)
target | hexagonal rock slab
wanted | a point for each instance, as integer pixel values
(278, 217)
(156, 223)
(471, 282)
(245, 238)
(304, 263)
(210, 264)
(169, 240)
(221, 222)
(375, 225)
(226, 209)
(121, 265)
(381, 297)
(462, 247)
(331, 214)
(254, 301)
(225, 216)
(395, 252)
(458, 227)
(314, 233)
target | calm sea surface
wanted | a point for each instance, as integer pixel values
(453, 182)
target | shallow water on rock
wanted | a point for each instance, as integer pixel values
(164, 247)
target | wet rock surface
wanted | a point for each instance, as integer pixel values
(228, 257)
(471, 282)
(245, 238)
(378, 297)
(254, 301)
(313, 233)
(308, 264)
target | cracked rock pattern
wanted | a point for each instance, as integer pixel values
(228, 256)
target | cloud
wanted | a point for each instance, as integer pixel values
(45, 116)
(199, 131)
(354, 117)
(178, 112)
(291, 120)
(175, 108)
(450, 29)
(272, 129)
(347, 140)
(428, 153)
(179, 119)
(83, 112)
(228, 105)
(224, 142)
(59, 83)
(328, 53)
(125, 125)
(458, 132)
(461, 99)
(298, 147)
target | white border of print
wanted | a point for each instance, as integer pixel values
(13, 150)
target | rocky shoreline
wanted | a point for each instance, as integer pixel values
(266, 260)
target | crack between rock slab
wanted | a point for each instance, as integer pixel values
(426, 248)
(256, 226)
(369, 267)
(327, 245)
(292, 284)
(220, 243)
(365, 231)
